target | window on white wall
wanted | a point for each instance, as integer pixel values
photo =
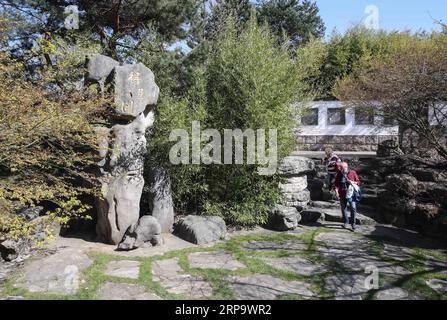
(310, 118)
(336, 116)
(363, 117)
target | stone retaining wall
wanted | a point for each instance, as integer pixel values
(342, 143)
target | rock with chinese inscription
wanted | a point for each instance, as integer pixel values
(123, 146)
(135, 89)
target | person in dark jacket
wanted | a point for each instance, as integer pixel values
(332, 163)
(345, 177)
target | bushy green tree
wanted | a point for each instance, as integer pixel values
(339, 56)
(406, 82)
(294, 20)
(248, 82)
(47, 148)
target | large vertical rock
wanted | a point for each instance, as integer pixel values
(123, 146)
(294, 186)
(160, 198)
(294, 170)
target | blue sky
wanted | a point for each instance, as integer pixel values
(393, 14)
(414, 15)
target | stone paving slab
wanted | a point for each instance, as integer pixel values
(170, 275)
(123, 268)
(13, 298)
(406, 238)
(395, 293)
(267, 287)
(275, 245)
(343, 240)
(60, 273)
(440, 286)
(397, 252)
(214, 260)
(296, 264)
(347, 286)
(433, 264)
(124, 291)
(360, 260)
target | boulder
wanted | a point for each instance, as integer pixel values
(160, 199)
(301, 198)
(146, 231)
(312, 216)
(326, 204)
(11, 249)
(424, 213)
(295, 166)
(428, 175)
(201, 229)
(403, 185)
(392, 208)
(293, 184)
(30, 213)
(282, 218)
(99, 67)
(437, 192)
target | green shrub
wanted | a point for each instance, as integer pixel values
(46, 141)
(248, 82)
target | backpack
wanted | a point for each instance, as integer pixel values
(354, 193)
(357, 194)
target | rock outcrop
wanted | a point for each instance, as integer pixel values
(415, 197)
(123, 146)
(160, 198)
(404, 190)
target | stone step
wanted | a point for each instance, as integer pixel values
(333, 214)
(370, 200)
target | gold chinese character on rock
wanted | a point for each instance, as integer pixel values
(140, 93)
(134, 78)
(128, 107)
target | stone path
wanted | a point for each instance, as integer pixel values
(124, 291)
(214, 260)
(377, 262)
(123, 268)
(171, 276)
(266, 287)
(296, 264)
(272, 245)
